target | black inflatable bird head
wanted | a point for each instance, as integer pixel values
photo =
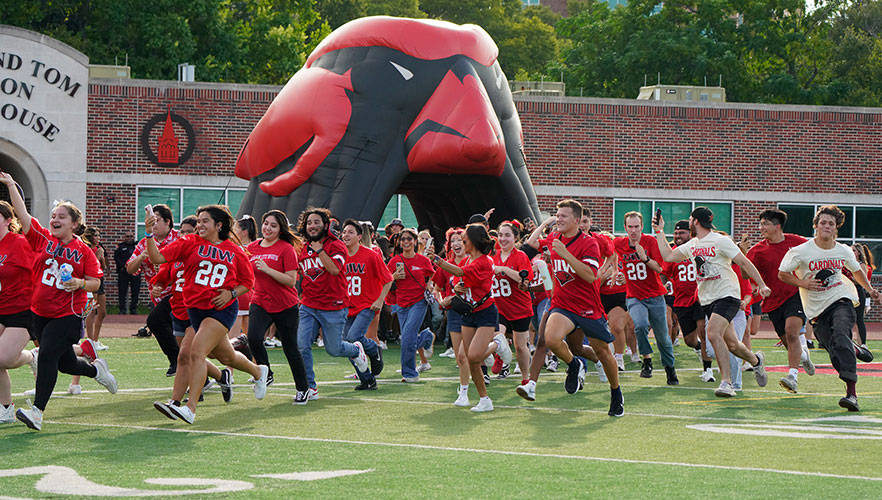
(389, 105)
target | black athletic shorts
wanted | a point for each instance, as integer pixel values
(689, 316)
(669, 300)
(518, 325)
(23, 319)
(100, 288)
(614, 300)
(726, 307)
(756, 309)
(792, 307)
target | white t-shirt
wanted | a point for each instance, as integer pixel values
(810, 260)
(712, 256)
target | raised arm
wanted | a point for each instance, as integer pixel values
(21, 211)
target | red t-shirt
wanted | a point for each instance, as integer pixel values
(319, 289)
(767, 257)
(444, 280)
(609, 286)
(148, 269)
(49, 298)
(478, 278)
(513, 303)
(682, 277)
(16, 280)
(643, 282)
(744, 285)
(366, 274)
(268, 293)
(173, 273)
(209, 268)
(417, 270)
(571, 292)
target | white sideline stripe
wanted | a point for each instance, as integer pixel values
(476, 450)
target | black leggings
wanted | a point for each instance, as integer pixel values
(286, 322)
(160, 324)
(57, 337)
(859, 314)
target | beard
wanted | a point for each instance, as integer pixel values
(318, 237)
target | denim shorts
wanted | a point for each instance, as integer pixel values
(594, 328)
(226, 316)
(179, 326)
(454, 321)
(485, 317)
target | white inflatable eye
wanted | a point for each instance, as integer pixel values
(405, 73)
(498, 78)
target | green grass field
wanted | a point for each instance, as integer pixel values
(409, 440)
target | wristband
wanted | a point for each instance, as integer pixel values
(148, 235)
(233, 293)
(320, 250)
(646, 260)
(436, 259)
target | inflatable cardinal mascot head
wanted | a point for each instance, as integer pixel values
(388, 105)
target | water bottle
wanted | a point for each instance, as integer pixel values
(65, 272)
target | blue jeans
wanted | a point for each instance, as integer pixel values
(411, 319)
(332, 323)
(652, 311)
(354, 331)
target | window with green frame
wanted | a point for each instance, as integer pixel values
(861, 223)
(672, 211)
(185, 201)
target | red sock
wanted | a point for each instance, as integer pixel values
(524, 381)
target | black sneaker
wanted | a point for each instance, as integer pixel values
(142, 333)
(862, 353)
(810, 344)
(269, 378)
(672, 375)
(376, 362)
(486, 379)
(571, 384)
(301, 398)
(172, 369)
(616, 405)
(226, 385)
(850, 403)
(646, 371)
(504, 372)
(367, 386)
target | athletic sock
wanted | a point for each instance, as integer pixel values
(850, 388)
(794, 372)
(525, 381)
(802, 341)
(463, 388)
(485, 398)
(707, 364)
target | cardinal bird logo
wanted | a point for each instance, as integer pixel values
(563, 277)
(388, 105)
(313, 273)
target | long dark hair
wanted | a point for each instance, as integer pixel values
(247, 223)
(480, 238)
(285, 233)
(220, 213)
(8, 212)
(324, 213)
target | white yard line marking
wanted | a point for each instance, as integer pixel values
(312, 476)
(480, 451)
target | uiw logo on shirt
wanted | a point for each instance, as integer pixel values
(56, 250)
(215, 253)
(354, 268)
(563, 273)
(312, 268)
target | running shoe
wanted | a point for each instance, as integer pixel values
(503, 349)
(497, 363)
(517, 370)
(89, 350)
(367, 386)
(410, 380)
(708, 375)
(448, 353)
(260, 384)
(99, 346)
(377, 362)
(725, 390)
(552, 364)
(760, 370)
(616, 404)
(789, 383)
(301, 397)
(382, 345)
(33, 418)
(269, 343)
(351, 376)
(806, 362)
(484, 404)
(862, 353)
(575, 376)
(601, 373)
(620, 363)
(320, 342)
(209, 383)
(226, 384)
(810, 344)
(462, 399)
(430, 349)
(527, 391)
(628, 351)
(184, 413)
(424, 367)
(850, 403)
(74, 389)
(312, 394)
(504, 372)
(30, 392)
(646, 369)
(164, 408)
(676, 342)
(747, 367)
(7, 415)
(172, 369)
(780, 343)
(104, 377)
(360, 359)
(486, 379)
(671, 374)
(33, 364)
(635, 358)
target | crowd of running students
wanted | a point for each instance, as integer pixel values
(561, 292)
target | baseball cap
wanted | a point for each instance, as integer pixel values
(396, 222)
(682, 224)
(703, 216)
(478, 218)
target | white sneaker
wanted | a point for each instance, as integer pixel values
(74, 389)
(552, 365)
(351, 376)
(383, 345)
(600, 373)
(747, 367)
(33, 418)
(448, 353)
(183, 412)
(708, 375)
(503, 350)
(7, 415)
(33, 364)
(635, 357)
(312, 393)
(517, 370)
(806, 362)
(424, 367)
(676, 342)
(484, 404)
(268, 343)
(725, 390)
(428, 351)
(760, 370)
(527, 391)
(360, 360)
(104, 377)
(30, 393)
(260, 384)
(320, 342)
(620, 363)
(462, 399)
(99, 346)
(789, 383)
(628, 351)
(488, 361)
